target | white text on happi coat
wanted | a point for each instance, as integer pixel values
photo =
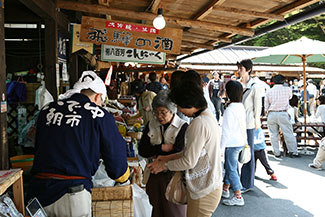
(54, 117)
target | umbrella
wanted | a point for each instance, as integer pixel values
(303, 50)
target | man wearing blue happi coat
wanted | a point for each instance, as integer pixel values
(72, 135)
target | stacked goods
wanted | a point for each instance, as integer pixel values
(112, 201)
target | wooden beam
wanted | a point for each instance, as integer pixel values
(155, 5)
(206, 37)
(284, 10)
(198, 45)
(90, 8)
(104, 2)
(249, 13)
(43, 8)
(63, 23)
(4, 158)
(47, 10)
(206, 10)
(51, 35)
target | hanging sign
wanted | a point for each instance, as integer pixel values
(62, 51)
(108, 76)
(77, 44)
(3, 104)
(131, 35)
(124, 54)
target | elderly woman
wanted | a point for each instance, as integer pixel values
(201, 158)
(163, 135)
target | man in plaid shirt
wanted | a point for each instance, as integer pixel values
(276, 106)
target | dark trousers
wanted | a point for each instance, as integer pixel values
(260, 154)
(217, 105)
(248, 169)
(263, 106)
(156, 188)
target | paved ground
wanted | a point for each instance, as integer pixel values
(299, 191)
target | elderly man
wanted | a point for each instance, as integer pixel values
(276, 106)
(72, 134)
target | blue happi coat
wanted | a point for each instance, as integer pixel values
(72, 135)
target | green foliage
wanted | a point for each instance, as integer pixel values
(311, 28)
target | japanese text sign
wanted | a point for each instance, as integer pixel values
(125, 54)
(131, 35)
(76, 44)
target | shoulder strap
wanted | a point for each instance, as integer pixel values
(248, 88)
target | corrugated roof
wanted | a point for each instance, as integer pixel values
(228, 55)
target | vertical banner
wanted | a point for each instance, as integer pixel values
(2, 3)
(108, 76)
(76, 43)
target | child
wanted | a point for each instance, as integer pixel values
(233, 139)
(259, 152)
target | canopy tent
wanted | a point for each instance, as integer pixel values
(224, 60)
(303, 50)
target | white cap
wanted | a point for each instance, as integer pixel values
(88, 80)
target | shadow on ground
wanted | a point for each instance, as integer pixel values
(258, 204)
(271, 183)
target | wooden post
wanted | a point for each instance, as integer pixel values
(4, 161)
(305, 96)
(73, 69)
(18, 190)
(51, 35)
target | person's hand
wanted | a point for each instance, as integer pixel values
(157, 166)
(163, 158)
(147, 109)
(167, 147)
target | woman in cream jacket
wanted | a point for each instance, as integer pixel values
(201, 158)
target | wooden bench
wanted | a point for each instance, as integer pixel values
(14, 178)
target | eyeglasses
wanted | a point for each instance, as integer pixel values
(162, 113)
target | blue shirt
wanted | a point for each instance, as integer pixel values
(259, 140)
(72, 135)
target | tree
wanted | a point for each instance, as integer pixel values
(313, 28)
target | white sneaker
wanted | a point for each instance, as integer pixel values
(234, 201)
(314, 167)
(225, 194)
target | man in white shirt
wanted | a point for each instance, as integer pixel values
(264, 87)
(312, 89)
(276, 106)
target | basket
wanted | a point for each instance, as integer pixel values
(22, 161)
(112, 201)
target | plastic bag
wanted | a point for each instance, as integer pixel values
(7, 206)
(142, 206)
(28, 133)
(101, 179)
(176, 190)
(42, 96)
(245, 155)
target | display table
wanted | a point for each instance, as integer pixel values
(13, 178)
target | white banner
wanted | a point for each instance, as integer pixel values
(125, 54)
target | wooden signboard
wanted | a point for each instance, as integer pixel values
(126, 54)
(133, 35)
